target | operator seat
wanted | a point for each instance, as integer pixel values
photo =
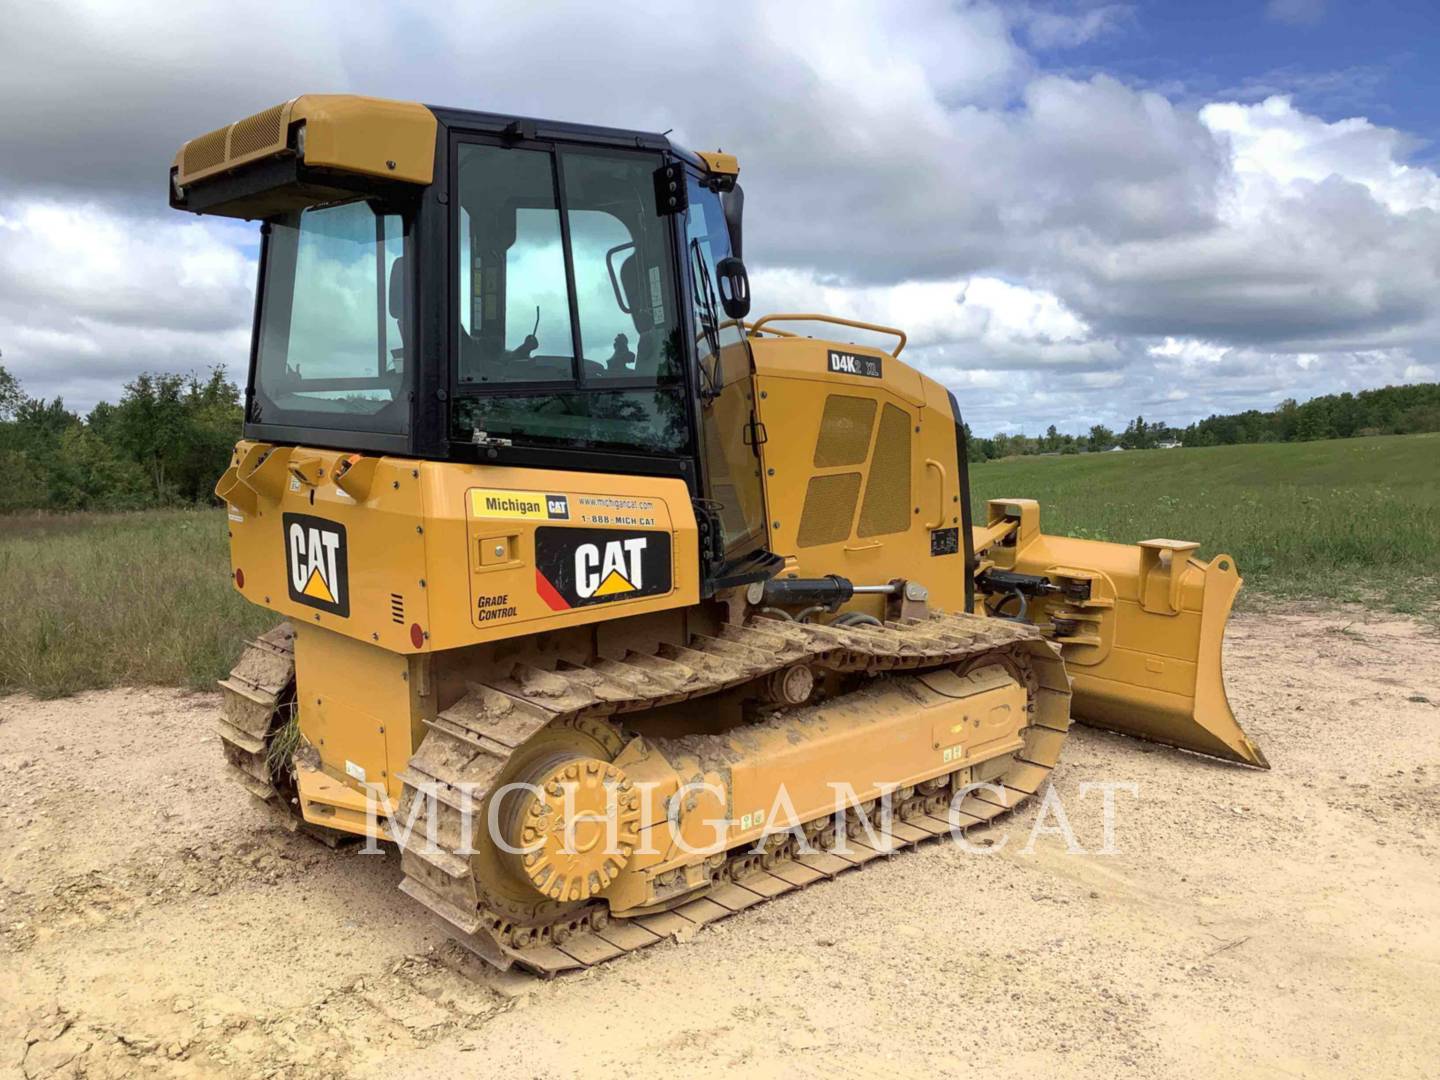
(649, 348)
(397, 301)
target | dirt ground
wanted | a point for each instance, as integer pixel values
(154, 919)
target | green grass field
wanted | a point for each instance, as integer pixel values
(89, 601)
(1346, 519)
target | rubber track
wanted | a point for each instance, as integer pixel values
(469, 744)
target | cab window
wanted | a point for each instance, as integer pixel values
(620, 249)
(514, 308)
(567, 331)
(333, 319)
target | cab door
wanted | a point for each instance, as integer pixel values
(729, 434)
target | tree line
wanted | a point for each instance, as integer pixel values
(1390, 410)
(165, 442)
(169, 438)
(1138, 435)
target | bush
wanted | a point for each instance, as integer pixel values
(164, 443)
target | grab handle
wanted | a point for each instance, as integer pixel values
(812, 316)
(931, 463)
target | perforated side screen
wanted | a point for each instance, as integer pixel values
(844, 431)
(256, 132)
(829, 509)
(887, 492)
(206, 151)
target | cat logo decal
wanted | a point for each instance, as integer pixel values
(317, 563)
(576, 567)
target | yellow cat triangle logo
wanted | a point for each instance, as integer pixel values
(316, 588)
(614, 583)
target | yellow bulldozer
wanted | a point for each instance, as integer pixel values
(617, 610)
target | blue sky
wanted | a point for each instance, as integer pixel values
(1336, 59)
(1078, 211)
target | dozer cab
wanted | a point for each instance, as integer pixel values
(616, 609)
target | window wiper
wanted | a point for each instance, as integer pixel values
(704, 290)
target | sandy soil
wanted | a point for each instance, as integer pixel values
(154, 919)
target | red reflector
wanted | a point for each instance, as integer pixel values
(417, 636)
(239, 578)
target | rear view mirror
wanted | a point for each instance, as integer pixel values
(733, 203)
(395, 293)
(734, 286)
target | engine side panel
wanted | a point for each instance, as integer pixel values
(860, 463)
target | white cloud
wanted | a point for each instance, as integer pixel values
(89, 297)
(1322, 237)
(1277, 150)
(1058, 248)
(1048, 29)
(1296, 12)
(1189, 351)
(97, 92)
(983, 318)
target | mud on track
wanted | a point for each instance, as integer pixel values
(154, 919)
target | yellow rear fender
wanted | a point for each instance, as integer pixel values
(1140, 626)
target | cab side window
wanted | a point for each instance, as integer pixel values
(333, 319)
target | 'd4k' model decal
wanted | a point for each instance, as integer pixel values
(576, 567)
(853, 363)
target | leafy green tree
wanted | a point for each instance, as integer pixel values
(11, 396)
(1133, 437)
(976, 450)
(1418, 418)
(1100, 438)
(86, 473)
(1389, 410)
(166, 441)
(42, 422)
(150, 426)
(1315, 421)
(26, 485)
(1286, 419)
(179, 429)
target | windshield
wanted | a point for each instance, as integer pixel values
(333, 316)
(568, 333)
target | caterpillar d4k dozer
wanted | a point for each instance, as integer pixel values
(616, 612)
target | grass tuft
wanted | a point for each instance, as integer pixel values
(284, 743)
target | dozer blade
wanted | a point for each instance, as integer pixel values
(1140, 626)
